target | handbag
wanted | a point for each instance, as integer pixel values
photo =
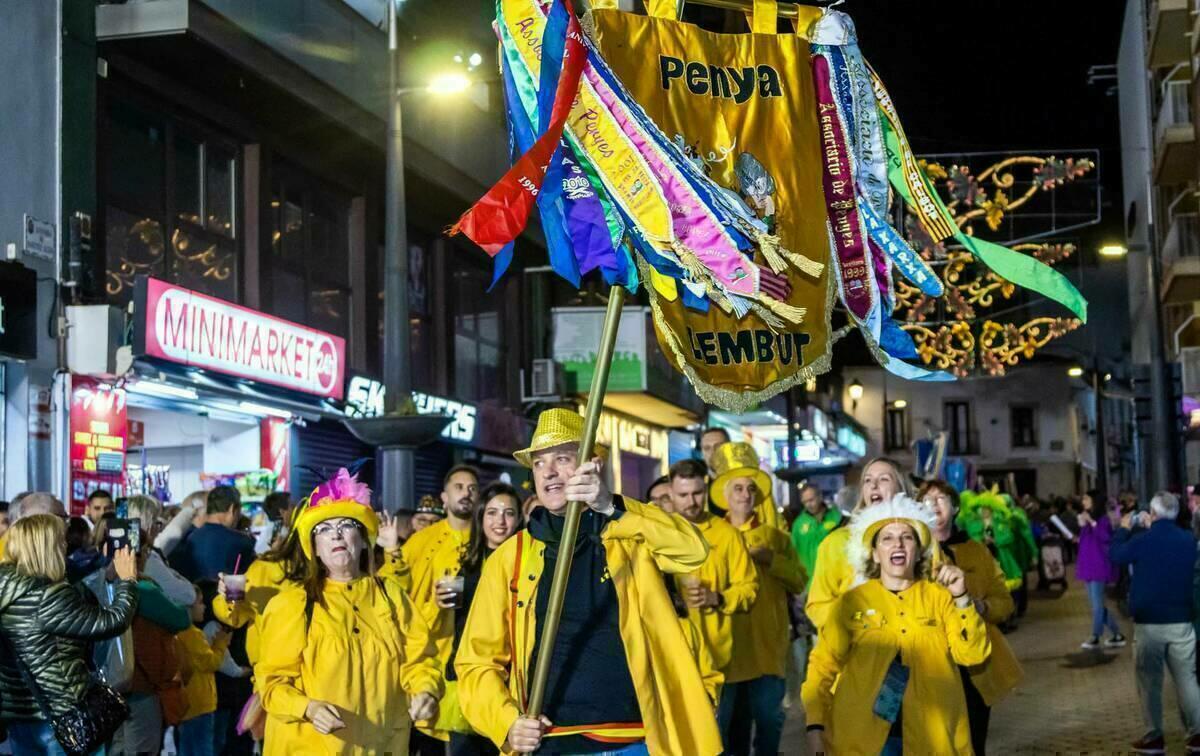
(87, 725)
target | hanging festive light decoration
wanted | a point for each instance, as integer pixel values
(954, 332)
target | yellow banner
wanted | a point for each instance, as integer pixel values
(742, 105)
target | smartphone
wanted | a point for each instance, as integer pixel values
(121, 534)
(122, 509)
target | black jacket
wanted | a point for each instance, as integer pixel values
(49, 626)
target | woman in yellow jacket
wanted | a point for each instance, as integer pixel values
(892, 644)
(345, 662)
(833, 574)
(285, 566)
(985, 685)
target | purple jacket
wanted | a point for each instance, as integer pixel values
(1093, 563)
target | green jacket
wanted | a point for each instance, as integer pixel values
(807, 534)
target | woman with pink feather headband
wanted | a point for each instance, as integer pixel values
(346, 665)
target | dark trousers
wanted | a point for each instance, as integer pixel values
(979, 714)
(420, 744)
(471, 745)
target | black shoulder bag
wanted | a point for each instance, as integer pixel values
(89, 723)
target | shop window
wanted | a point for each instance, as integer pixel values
(309, 279)
(479, 353)
(896, 430)
(956, 419)
(1023, 422)
(170, 199)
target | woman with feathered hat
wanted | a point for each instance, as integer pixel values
(893, 644)
(346, 664)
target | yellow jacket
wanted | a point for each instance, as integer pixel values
(264, 579)
(864, 631)
(996, 677)
(768, 513)
(366, 651)
(730, 572)
(762, 636)
(432, 554)
(199, 662)
(712, 677)
(500, 635)
(832, 576)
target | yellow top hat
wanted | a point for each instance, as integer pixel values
(737, 459)
(555, 427)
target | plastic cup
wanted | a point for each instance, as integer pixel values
(457, 584)
(235, 587)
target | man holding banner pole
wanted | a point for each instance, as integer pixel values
(620, 680)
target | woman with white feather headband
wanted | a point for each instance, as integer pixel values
(893, 644)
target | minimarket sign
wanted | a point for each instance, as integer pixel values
(193, 329)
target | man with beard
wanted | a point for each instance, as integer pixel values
(726, 583)
(434, 556)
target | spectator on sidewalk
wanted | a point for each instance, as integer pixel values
(215, 546)
(1095, 570)
(1160, 599)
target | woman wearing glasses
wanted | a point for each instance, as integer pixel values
(345, 663)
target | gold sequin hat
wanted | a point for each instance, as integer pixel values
(737, 459)
(555, 427)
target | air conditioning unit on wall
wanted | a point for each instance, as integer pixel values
(544, 384)
(545, 379)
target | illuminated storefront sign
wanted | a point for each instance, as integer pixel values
(366, 397)
(852, 441)
(99, 437)
(192, 329)
(820, 424)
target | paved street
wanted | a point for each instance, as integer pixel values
(1092, 710)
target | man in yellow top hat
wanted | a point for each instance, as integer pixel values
(754, 681)
(621, 679)
(434, 554)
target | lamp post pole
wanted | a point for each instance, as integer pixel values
(395, 462)
(1101, 437)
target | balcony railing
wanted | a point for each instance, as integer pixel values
(1175, 109)
(1183, 238)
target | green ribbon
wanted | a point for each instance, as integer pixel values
(1015, 267)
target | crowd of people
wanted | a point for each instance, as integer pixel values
(689, 621)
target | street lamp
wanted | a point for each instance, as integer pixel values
(900, 403)
(855, 389)
(1113, 250)
(1075, 371)
(449, 84)
(399, 430)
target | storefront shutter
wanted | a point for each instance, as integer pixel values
(320, 449)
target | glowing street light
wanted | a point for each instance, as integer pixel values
(449, 84)
(1113, 249)
(1075, 371)
(855, 390)
(900, 403)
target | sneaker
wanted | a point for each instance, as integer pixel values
(1117, 641)
(1193, 744)
(1150, 745)
(1090, 643)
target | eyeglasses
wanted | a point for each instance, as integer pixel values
(341, 527)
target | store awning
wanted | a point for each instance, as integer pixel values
(649, 409)
(184, 389)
